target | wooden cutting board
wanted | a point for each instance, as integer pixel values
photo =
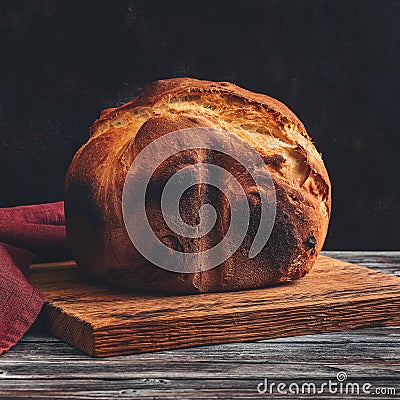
(103, 321)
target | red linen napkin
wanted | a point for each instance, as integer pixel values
(27, 233)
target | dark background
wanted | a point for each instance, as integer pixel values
(334, 63)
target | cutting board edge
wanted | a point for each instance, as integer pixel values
(359, 312)
(53, 317)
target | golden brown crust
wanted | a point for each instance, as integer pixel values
(95, 179)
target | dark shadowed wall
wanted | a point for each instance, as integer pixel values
(336, 64)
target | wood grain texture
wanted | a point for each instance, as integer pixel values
(43, 367)
(104, 321)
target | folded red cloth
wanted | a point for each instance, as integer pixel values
(27, 233)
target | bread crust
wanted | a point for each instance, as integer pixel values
(95, 178)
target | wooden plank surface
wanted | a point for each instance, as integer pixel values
(104, 321)
(43, 367)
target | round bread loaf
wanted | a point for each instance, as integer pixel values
(94, 184)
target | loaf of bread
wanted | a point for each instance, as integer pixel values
(96, 230)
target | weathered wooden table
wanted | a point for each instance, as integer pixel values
(365, 360)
